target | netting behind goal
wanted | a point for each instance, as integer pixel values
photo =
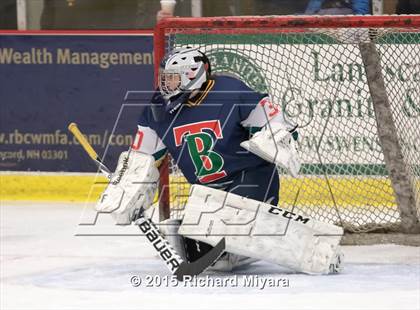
(313, 69)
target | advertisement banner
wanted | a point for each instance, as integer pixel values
(50, 80)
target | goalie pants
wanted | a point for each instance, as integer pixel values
(260, 183)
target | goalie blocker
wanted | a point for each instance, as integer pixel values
(130, 191)
(131, 188)
(259, 230)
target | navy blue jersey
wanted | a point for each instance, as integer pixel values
(204, 134)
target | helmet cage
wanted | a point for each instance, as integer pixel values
(169, 82)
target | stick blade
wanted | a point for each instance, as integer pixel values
(201, 264)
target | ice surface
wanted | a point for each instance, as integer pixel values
(45, 266)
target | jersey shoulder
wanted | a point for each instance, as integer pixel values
(230, 83)
(146, 118)
(235, 89)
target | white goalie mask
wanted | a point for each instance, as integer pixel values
(182, 70)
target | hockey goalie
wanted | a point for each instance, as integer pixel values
(228, 141)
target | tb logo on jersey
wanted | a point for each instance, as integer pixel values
(208, 164)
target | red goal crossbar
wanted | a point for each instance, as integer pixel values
(275, 22)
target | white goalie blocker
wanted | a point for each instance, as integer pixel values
(258, 230)
(132, 186)
(275, 144)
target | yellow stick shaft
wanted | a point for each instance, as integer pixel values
(82, 140)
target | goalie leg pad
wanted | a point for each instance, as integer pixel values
(228, 261)
(170, 229)
(258, 230)
(189, 249)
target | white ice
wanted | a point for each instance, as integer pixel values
(45, 266)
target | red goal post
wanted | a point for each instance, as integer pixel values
(325, 62)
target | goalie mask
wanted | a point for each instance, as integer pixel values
(181, 72)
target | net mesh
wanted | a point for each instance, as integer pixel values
(317, 78)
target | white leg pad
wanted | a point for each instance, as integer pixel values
(259, 230)
(169, 229)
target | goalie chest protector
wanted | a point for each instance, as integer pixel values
(204, 135)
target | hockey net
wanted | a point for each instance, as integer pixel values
(313, 69)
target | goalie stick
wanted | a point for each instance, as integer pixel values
(89, 149)
(173, 260)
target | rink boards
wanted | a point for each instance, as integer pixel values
(305, 190)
